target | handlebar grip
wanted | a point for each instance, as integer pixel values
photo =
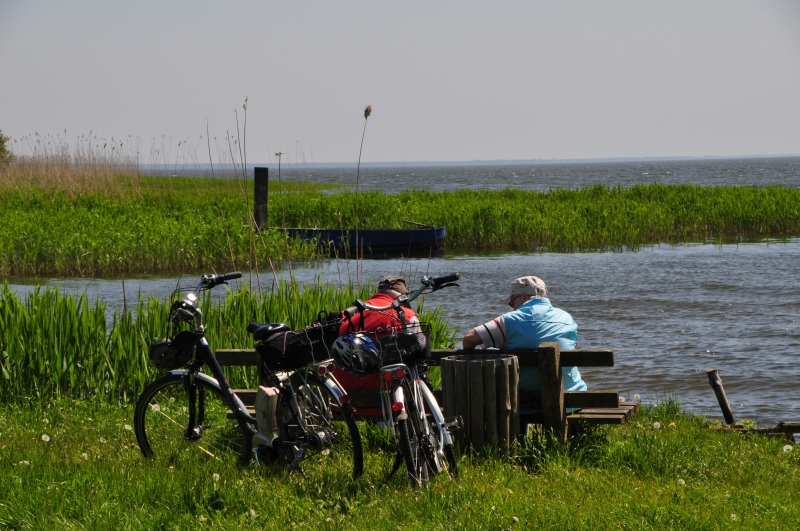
(452, 277)
(229, 276)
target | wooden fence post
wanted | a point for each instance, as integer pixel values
(553, 414)
(722, 398)
(462, 399)
(476, 404)
(503, 404)
(260, 184)
(490, 401)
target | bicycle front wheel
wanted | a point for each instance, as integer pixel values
(173, 426)
(413, 446)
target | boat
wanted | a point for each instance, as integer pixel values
(424, 239)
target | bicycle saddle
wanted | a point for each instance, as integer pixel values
(263, 331)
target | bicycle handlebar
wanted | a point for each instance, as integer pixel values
(434, 283)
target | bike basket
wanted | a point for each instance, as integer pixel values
(295, 349)
(174, 353)
(410, 347)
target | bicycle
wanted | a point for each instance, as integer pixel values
(188, 414)
(421, 433)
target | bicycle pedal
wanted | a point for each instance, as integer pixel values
(454, 423)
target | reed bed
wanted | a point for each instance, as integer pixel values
(55, 345)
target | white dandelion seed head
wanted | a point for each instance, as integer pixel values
(733, 516)
(155, 407)
(621, 399)
(215, 477)
(128, 427)
(46, 438)
(201, 518)
(515, 519)
(656, 425)
(25, 463)
(252, 513)
(637, 397)
(681, 483)
(787, 448)
(85, 456)
(103, 441)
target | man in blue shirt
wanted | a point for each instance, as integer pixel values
(533, 321)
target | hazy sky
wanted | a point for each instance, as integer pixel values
(447, 81)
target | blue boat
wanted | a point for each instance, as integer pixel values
(377, 241)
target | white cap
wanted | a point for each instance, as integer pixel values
(533, 286)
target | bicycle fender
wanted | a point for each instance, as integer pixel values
(212, 382)
(338, 391)
(436, 413)
(198, 376)
(397, 396)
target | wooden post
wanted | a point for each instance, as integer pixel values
(513, 388)
(462, 399)
(553, 415)
(722, 398)
(490, 401)
(503, 405)
(260, 183)
(476, 404)
(448, 387)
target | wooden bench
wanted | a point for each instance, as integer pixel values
(596, 406)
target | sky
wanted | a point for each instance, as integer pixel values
(447, 80)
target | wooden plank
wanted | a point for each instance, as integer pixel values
(247, 396)
(513, 387)
(490, 401)
(448, 395)
(462, 399)
(530, 358)
(552, 390)
(476, 424)
(237, 357)
(595, 419)
(503, 404)
(599, 398)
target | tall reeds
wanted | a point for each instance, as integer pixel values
(52, 344)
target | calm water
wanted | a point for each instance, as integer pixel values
(669, 314)
(543, 176)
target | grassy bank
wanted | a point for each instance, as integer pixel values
(89, 474)
(184, 224)
(54, 345)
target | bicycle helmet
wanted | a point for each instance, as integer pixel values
(175, 353)
(356, 354)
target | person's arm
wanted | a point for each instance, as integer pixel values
(471, 340)
(490, 335)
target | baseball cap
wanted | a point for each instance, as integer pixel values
(397, 284)
(533, 286)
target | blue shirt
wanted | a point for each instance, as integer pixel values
(535, 322)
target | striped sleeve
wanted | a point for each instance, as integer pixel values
(493, 333)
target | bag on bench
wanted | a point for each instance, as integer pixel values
(291, 350)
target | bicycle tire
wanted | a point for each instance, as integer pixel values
(323, 415)
(412, 447)
(436, 437)
(161, 423)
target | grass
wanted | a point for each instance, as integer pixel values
(54, 345)
(685, 475)
(175, 225)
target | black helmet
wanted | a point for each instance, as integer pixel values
(175, 353)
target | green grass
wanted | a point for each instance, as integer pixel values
(686, 475)
(56, 345)
(179, 225)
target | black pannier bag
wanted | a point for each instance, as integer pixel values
(287, 351)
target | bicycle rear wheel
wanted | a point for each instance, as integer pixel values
(321, 431)
(166, 430)
(435, 436)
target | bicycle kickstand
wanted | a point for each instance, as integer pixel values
(295, 465)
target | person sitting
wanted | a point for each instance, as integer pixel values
(533, 321)
(376, 324)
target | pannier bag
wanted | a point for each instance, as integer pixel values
(267, 410)
(174, 353)
(287, 351)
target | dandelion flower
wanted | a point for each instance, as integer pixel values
(637, 397)
(656, 425)
(215, 477)
(672, 424)
(787, 448)
(681, 483)
(46, 438)
(103, 441)
(25, 463)
(128, 427)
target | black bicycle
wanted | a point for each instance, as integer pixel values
(188, 414)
